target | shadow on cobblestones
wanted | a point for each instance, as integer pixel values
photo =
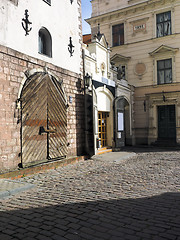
(155, 217)
(146, 149)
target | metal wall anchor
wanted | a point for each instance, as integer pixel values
(26, 23)
(70, 47)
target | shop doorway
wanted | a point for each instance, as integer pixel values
(102, 128)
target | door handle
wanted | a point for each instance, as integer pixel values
(43, 130)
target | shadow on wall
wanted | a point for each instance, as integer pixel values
(142, 148)
(80, 124)
(156, 217)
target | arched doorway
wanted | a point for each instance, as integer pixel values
(104, 117)
(122, 131)
(43, 119)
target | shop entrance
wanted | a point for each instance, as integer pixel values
(102, 128)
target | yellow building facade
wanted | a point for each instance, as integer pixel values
(144, 37)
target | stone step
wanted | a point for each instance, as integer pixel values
(104, 150)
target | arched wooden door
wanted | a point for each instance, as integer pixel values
(44, 120)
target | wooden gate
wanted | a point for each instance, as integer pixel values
(43, 119)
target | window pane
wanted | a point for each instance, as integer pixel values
(160, 18)
(160, 77)
(168, 63)
(168, 76)
(118, 34)
(167, 16)
(160, 64)
(163, 22)
(122, 38)
(160, 30)
(164, 71)
(167, 28)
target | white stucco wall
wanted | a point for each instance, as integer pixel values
(61, 20)
(104, 102)
(97, 54)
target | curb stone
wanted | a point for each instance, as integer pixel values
(11, 187)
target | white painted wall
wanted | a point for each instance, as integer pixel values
(97, 54)
(61, 19)
(104, 102)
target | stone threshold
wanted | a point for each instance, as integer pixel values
(23, 172)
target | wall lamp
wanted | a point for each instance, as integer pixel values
(87, 80)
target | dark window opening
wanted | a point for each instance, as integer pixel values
(118, 34)
(164, 71)
(45, 42)
(121, 70)
(163, 24)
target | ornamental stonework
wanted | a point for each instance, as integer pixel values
(140, 69)
(139, 26)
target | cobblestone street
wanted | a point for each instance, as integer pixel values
(98, 199)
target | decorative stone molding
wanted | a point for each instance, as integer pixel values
(140, 69)
(163, 49)
(139, 26)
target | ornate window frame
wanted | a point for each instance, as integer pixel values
(163, 53)
(154, 15)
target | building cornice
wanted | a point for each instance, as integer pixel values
(126, 10)
(119, 58)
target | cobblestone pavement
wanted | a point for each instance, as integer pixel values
(132, 198)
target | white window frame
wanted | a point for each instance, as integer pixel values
(172, 21)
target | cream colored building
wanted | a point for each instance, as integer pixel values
(144, 37)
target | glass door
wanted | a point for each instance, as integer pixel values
(102, 128)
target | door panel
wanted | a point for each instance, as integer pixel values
(166, 122)
(43, 109)
(57, 119)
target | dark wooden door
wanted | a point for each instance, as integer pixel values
(166, 122)
(44, 120)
